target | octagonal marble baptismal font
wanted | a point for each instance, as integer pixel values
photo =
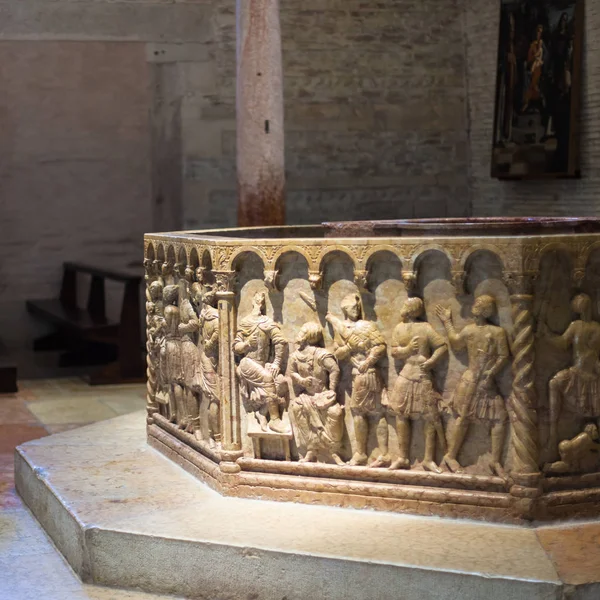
(446, 367)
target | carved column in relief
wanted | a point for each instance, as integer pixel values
(523, 398)
(230, 410)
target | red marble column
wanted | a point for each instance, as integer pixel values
(259, 107)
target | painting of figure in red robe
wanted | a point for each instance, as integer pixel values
(536, 122)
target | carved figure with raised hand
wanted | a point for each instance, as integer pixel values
(258, 337)
(317, 416)
(171, 363)
(579, 455)
(476, 397)
(207, 374)
(363, 346)
(414, 395)
(578, 387)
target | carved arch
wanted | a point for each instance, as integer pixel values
(312, 265)
(417, 254)
(373, 250)
(234, 259)
(338, 248)
(470, 253)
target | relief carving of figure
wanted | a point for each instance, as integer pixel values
(207, 375)
(476, 397)
(317, 416)
(171, 363)
(363, 346)
(578, 387)
(579, 455)
(155, 326)
(258, 337)
(414, 395)
(188, 329)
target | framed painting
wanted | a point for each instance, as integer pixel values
(538, 89)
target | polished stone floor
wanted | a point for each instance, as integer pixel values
(30, 566)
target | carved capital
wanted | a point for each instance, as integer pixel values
(271, 279)
(225, 283)
(458, 281)
(410, 281)
(361, 277)
(315, 278)
(149, 269)
(578, 277)
(519, 284)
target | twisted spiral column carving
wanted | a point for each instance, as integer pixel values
(523, 398)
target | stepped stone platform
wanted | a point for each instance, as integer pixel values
(123, 515)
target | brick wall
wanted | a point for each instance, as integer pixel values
(493, 197)
(375, 113)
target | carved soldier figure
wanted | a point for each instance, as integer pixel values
(476, 397)
(317, 416)
(171, 365)
(207, 378)
(155, 326)
(414, 396)
(578, 455)
(188, 329)
(257, 336)
(578, 387)
(363, 346)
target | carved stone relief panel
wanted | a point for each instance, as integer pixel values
(448, 363)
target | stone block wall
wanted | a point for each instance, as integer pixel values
(89, 140)
(523, 198)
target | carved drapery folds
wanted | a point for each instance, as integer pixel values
(332, 378)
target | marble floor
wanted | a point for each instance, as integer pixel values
(30, 566)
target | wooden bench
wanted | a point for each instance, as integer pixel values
(87, 332)
(8, 371)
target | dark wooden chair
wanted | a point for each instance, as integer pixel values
(87, 332)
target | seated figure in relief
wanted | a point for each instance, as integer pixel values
(414, 395)
(577, 388)
(578, 455)
(476, 397)
(317, 416)
(258, 336)
(363, 346)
